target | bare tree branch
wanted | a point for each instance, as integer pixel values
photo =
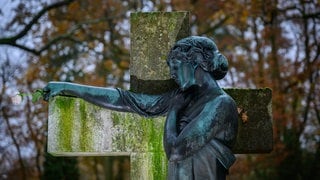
(38, 16)
(67, 36)
(12, 41)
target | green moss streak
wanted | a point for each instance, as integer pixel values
(83, 129)
(142, 135)
(65, 105)
(159, 160)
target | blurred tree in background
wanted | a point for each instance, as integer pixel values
(272, 43)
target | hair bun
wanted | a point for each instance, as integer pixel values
(220, 69)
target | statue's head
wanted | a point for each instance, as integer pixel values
(192, 52)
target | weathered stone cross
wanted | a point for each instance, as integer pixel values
(77, 128)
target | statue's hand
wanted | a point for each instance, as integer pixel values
(53, 89)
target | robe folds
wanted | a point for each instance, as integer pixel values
(208, 158)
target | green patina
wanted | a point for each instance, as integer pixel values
(154, 133)
(86, 134)
(136, 133)
(65, 106)
(173, 21)
(74, 115)
(141, 135)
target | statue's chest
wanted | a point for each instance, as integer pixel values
(189, 113)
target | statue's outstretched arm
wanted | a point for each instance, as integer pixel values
(209, 124)
(105, 97)
(111, 98)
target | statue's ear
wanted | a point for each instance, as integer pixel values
(207, 59)
(205, 65)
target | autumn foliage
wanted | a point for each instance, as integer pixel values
(272, 43)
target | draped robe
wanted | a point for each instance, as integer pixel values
(200, 130)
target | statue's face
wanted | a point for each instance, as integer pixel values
(182, 73)
(181, 70)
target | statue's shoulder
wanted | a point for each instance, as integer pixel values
(222, 100)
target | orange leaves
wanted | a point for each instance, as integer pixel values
(244, 16)
(124, 64)
(32, 74)
(94, 80)
(74, 7)
(108, 65)
(243, 115)
(62, 27)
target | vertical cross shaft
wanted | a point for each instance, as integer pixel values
(152, 35)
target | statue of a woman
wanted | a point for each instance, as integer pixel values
(201, 124)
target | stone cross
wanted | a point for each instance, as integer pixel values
(78, 128)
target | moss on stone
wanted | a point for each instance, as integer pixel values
(152, 36)
(65, 124)
(255, 132)
(87, 122)
(83, 130)
(140, 135)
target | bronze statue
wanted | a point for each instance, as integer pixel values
(201, 125)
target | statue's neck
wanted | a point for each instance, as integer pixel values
(204, 80)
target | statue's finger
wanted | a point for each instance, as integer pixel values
(46, 95)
